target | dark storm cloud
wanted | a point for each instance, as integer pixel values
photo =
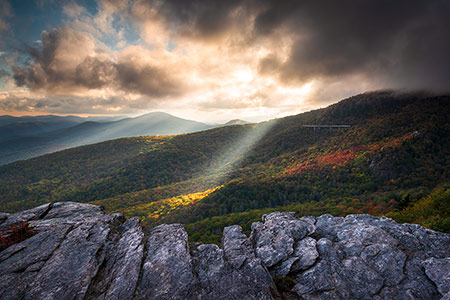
(40, 70)
(197, 17)
(62, 66)
(148, 80)
(407, 42)
(94, 73)
(401, 43)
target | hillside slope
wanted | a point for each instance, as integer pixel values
(21, 140)
(25, 126)
(397, 146)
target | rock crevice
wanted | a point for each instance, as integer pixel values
(78, 252)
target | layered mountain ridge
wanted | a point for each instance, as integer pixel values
(394, 154)
(27, 137)
(78, 252)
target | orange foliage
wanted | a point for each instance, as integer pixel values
(340, 158)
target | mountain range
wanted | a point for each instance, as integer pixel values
(383, 153)
(27, 137)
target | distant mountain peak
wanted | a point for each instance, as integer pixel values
(54, 132)
(155, 113)
(236, 122)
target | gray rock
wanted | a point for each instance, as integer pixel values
(328, 226)
(414, 286)
(304, 256)
(446, 296)
(118, 277)
(411, 237)
(69, 271)
(388, 261)
(362, 281)
(283, 268)
(364, 257)
(127, 262)
(3, 217)
(18, 257)
(307, 254)
(20, 263)
(322, 279)
(78, 252)
(69, 213)
(438, 270)
(237, 246)
(25, 216)
(275, 237)
(232, 272)
(73, 210)
(167, 271)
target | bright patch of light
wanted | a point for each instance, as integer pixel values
(300, 91)
(228, 159)
(244, 75)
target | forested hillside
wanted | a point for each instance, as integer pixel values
(395, 152)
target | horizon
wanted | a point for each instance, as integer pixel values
(208, 121)
(83, 116)
(218, 122)
(214, 61)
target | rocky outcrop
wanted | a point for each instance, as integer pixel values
(78, 252)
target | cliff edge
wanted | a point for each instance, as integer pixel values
(76, 251)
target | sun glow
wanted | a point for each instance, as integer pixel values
(243, 75)
(297, 91)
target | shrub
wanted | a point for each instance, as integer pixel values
(15, 234)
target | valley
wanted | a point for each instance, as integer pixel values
(394, 153)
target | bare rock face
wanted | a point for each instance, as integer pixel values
(234, 271)
(78, 252)
(359, 257)
(167, 272)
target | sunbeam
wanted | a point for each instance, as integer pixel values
(228, 159)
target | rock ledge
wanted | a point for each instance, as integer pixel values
(78, 252)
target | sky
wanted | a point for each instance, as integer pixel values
(215, 60)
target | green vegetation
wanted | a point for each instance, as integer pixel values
(395, 153)
(432, 211)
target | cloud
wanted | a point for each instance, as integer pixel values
(199, 19)
(95, 73)
(112, 103)
(400, 44)
(73, 10)
(236, 55)
(54, 66)
(403, 43)
(5, 13)
(74, 62)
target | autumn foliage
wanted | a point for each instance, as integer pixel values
(397, 148)
(15, 234)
